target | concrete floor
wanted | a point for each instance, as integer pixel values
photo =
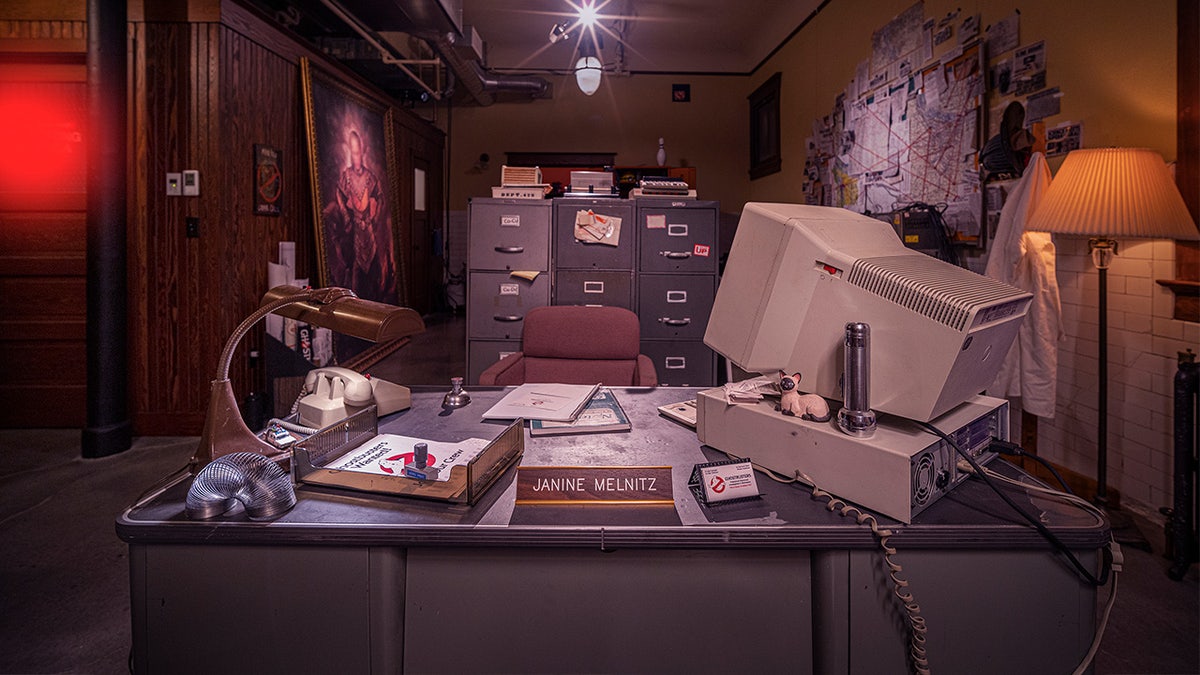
(64, 575)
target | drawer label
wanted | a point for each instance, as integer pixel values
(700, 250)
(656, 221)
(677, 230)
(675, 362)
(510, 289)
(593, 287)
(510, 221)
(676, 296)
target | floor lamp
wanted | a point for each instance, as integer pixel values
(1105, 194)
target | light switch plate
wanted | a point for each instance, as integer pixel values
(174, 184)
(191, 183)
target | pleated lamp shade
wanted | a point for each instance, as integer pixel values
(1114, 192)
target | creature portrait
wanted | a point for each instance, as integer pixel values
(352, 194)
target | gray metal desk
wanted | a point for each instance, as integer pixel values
(349, 582)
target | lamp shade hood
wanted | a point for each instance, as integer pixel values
(1117, 193)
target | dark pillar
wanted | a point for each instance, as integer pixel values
(108, 429)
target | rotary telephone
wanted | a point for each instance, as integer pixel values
(332, 394)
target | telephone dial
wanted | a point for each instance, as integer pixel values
(332, 394)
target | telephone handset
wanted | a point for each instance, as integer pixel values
(331, 394)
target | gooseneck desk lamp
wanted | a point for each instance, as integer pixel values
(337, 309)
(1103, 194)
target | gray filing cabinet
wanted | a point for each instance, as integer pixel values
(504, 236)
(664, 267)
(589, 272)
(677, 281)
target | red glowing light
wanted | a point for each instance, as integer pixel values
(41, 139)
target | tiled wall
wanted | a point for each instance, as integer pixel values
(1143, 344)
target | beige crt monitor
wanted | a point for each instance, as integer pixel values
(796, 275)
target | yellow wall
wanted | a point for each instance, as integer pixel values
(1114, 62)
(627, 116)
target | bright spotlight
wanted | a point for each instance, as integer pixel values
(587, 14)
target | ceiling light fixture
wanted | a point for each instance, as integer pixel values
(588, 70)
(559, 32)
(588, 14)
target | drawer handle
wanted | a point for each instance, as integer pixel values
(507, 318)
(676, 255)
(675, 322)
(510, 249)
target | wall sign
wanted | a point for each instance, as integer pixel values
(579, 485)
(268, 181)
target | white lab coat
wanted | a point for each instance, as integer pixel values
(1026, 260)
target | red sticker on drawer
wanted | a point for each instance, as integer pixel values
(700, 250)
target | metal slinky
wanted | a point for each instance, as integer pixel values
(247, 479)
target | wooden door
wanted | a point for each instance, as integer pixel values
(43, 244)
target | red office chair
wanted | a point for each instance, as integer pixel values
(576, 345)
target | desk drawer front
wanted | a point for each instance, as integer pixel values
(570, 252)
(509, 234)
(498, 304)
(593, 287)
(675, 306)
(682, 363)
(678, 239)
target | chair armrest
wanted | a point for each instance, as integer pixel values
(506, 371)
(645, 376)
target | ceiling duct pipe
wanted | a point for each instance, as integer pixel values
(534, 86)
(478, 82)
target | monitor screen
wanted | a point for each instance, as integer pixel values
(796, 275)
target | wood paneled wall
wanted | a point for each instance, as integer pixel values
(43, 305)
(203, 93)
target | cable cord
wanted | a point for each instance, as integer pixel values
(916, 623)
(1050, 493)
(1112, 600)
(1114, 549)
(1009, 448)
(1055, 542)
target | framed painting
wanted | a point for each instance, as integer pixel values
(353, 173)
(765, 155)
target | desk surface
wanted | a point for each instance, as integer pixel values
(786, 517)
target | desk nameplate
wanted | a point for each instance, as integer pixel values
(584, 485)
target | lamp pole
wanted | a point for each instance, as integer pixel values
(1102, 251)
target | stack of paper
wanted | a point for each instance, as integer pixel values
(543, 401)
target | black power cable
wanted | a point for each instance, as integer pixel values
(1037, 524)
(1006, 448)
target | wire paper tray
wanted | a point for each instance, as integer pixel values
(467, 483)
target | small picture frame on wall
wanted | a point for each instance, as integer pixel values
(268, 180)
(765, 156)
(352, 169)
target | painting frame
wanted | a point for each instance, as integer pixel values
(351, 151)
(766, 156)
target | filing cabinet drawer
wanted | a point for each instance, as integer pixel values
(593, 287)
(571, 252)
(674, 239)
(682, 363)
(497, 303)
(509, 234)
(481, 354)
(675, 306)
